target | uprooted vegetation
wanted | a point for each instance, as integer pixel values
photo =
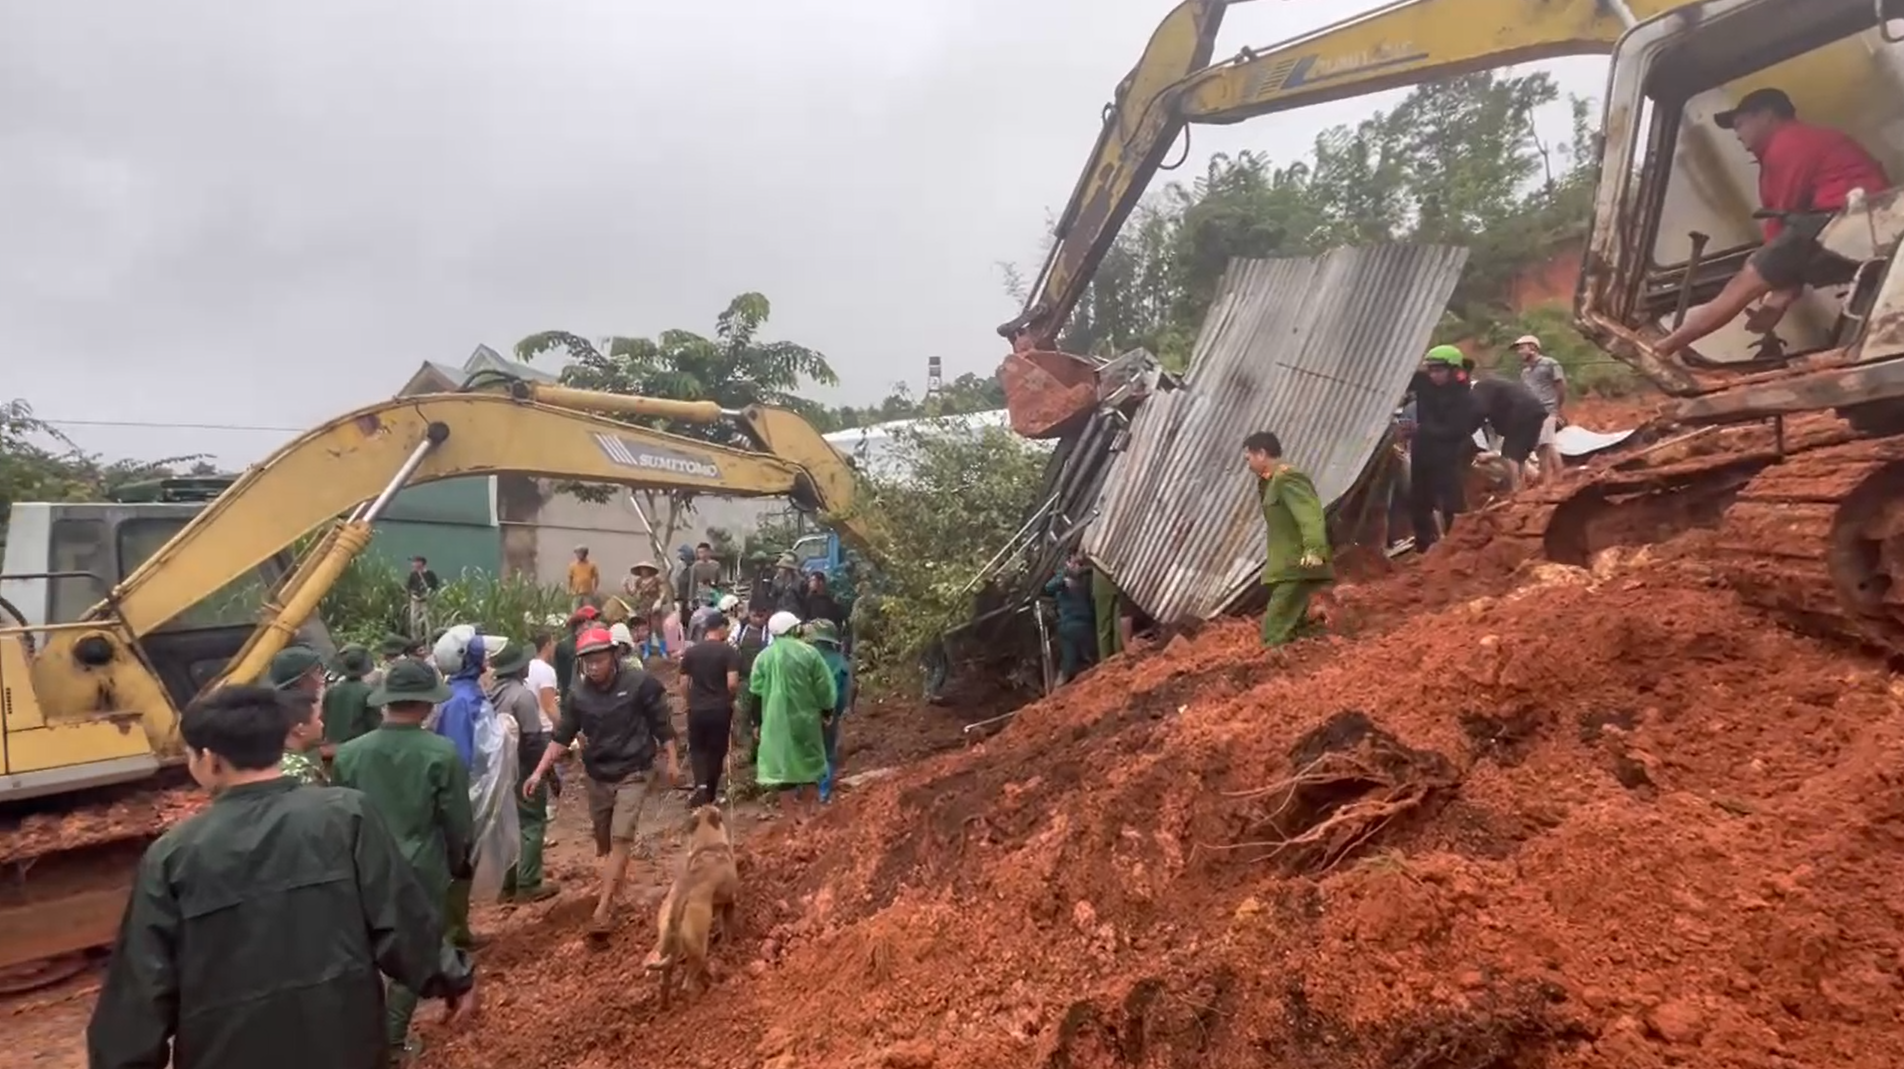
(1568, 819)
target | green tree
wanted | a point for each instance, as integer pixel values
(951, 498)
(1457, 161)
(39, 463)
(735, 367)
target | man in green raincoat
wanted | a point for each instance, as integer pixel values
(1297, 566)
(418, 785)
(347, 709)
(297, 673)
(256, 929)
(796, 695)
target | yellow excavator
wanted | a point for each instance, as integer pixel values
(1174, 86)
(90, 706)
(1808, 513)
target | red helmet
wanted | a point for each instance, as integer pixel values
(593, 640)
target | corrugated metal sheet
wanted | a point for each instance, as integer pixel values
(1318, 350)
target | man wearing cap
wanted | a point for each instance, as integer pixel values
(347, 709)
(256, 930)
(1802, 169)
(420, 787)
(824, 637)
(389, 651)
(512, 698)
(796, 696)
(297, 673)
(1442, 443)
(789, 590)
(1543, 375)
(647, 589)
(621, 712)
(584, 578)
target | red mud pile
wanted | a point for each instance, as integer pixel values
(1613, 821)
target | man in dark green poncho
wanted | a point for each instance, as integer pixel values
(347, 709)
(257, 930)
(418, 785)
(1297, 566)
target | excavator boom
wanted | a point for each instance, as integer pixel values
(1173, 85)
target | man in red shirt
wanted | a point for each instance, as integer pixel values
(1802, 168)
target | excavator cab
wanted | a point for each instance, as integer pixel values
(63, 559)
(1677, 212)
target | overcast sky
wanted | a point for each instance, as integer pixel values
(267, 213)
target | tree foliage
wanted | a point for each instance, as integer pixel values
(39, 463)
(1458, 161)
(735, 368)
(954, 496)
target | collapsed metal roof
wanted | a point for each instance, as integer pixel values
(1318, 350)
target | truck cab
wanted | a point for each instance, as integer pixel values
(62, 559)
(1677, 210)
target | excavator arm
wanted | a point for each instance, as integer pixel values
(549, 432)
(1173, 86)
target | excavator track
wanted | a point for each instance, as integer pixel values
(1818, 541)
(65, 874)
(1808, 520)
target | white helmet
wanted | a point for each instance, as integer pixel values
(622, 636)
(451, 652)
(728, 603)
(781, 622)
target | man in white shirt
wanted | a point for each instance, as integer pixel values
(541, 681)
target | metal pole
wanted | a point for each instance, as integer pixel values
(1011, 545)
(437, 434)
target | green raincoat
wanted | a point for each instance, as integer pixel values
(255, 934)
(418, 785)
(1292, 514)
(348, 712)
(794, 688)
(420, 788)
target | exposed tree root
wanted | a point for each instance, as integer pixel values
(1352, 781)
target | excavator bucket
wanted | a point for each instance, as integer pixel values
(1048, 393)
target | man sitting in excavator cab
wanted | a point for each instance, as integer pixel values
(1806, 175)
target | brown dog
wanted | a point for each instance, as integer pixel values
(708, 882)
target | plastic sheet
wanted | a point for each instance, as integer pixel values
(492, 798)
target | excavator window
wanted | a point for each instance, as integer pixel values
(192, 649)
(77, 546)
(1686, 210)
(233, 605)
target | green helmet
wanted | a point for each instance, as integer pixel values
(1446, 354)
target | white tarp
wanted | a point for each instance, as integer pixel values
(1575, 441)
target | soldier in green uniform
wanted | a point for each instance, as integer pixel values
(347, 709)
(257, 929)
(1296, 566)
(297, 672)
(512, 698)
(416, 782)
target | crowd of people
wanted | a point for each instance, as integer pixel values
(360, 803)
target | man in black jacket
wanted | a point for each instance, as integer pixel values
(1443, 443)
(622, 714)
(259, 931)
(1516, 415)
